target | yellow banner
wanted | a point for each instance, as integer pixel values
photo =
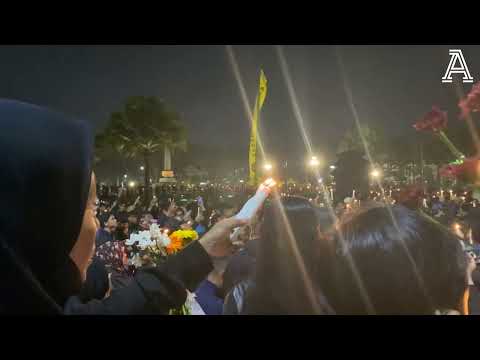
(252, 153)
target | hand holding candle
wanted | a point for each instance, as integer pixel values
(251, 207)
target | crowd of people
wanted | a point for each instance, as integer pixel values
(414, 253)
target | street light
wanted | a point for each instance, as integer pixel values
(131, 184)
(142, 168)
(375, 173)
(314, 162)
(268, 167)
(125, 176)
(333, 167)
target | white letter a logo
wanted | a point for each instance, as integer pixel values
(457, 56)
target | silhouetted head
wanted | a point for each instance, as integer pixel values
(396, 261)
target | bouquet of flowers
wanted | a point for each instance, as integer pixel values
(155, 246)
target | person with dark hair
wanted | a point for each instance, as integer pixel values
(122, 232)
(107, 232)
(392, 261)
(48, 160)
(285, 279)
(133, 226)
(200, 224)
(411, 196)
(102, 212)
(166, 217)
(120, 210)
(450, 209)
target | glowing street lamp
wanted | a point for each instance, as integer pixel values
(375, 173)
(142, 168)
(131, 184)
(268, 167)
(332, 167)
(314, 162)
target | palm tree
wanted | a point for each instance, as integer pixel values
(144, 127)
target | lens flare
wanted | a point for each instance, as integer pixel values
(356, 117)
(327, 194)
(293, 98)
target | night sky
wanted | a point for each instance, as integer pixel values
(391, 86)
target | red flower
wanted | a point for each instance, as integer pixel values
(468, 171)
(434, 120)
(471, 103)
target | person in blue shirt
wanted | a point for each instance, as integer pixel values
(208, 294)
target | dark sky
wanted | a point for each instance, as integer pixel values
(391, 86)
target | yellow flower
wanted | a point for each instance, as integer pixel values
(181, 238)
(188, 234)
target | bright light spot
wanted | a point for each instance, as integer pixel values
(320, 180)
(314, 162)
(142, 168)
(333, 167)
(269, 182)
(241, 181)
(375, 173)
(125, 176)
(131, 184)
(268, 166)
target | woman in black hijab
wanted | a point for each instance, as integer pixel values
(46, 167)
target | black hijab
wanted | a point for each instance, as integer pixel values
(46, 172)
